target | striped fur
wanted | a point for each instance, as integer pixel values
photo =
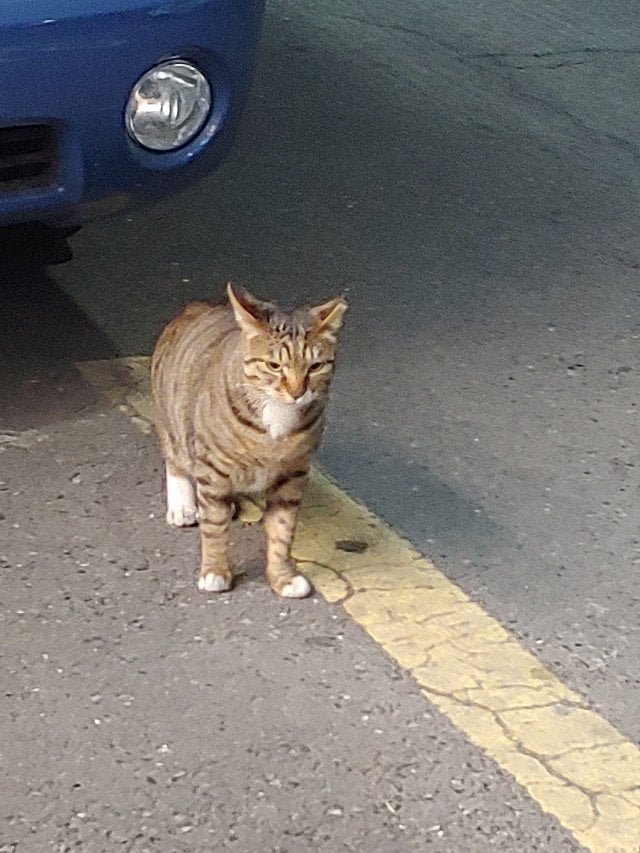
(240, 392)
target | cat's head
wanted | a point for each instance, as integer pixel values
(288, 356)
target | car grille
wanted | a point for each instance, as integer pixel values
(28, 157)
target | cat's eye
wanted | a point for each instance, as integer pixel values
(273, 365)
(317, 365)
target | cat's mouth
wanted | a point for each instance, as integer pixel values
(295, 402)
(305, 399)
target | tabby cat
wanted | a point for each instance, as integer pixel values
(240, 391)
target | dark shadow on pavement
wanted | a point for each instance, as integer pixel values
(432, 511)
(42, 331)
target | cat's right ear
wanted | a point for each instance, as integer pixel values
(248, 311)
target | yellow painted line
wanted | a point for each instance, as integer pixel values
(574, 763)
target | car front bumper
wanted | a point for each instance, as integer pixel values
(65, 80)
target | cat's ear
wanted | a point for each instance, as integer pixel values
(250, 313)
(329, 316)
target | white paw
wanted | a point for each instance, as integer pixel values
(214, 583)
(181, 501)
(182, 516)
(297, 587)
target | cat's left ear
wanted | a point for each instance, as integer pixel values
(329, 316)
(250, 313)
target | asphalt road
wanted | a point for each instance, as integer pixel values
(469, 177)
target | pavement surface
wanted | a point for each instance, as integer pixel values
(469, 178)
(139, 714)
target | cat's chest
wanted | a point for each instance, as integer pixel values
(280, 419)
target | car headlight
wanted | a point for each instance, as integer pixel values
(168, 106)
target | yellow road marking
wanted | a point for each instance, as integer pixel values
(574, 763)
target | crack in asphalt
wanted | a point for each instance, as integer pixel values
(550, 54)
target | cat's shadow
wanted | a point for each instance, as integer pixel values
(425, 508)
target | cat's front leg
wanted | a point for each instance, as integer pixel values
(215, 509)
(283, 503)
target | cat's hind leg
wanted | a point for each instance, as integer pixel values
(181, 499)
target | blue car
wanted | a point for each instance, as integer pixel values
(105, 104)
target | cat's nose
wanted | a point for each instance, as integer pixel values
(297, 387)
